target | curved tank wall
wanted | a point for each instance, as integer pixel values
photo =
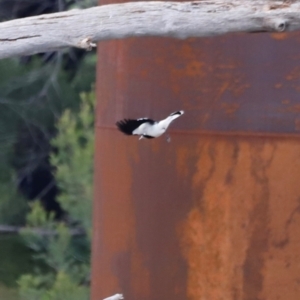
(215, 213)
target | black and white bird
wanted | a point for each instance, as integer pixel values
(147, 128)
(115, 297)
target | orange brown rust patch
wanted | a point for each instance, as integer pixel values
(240, 228)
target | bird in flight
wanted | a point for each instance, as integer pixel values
(115, 297)
(147, 128)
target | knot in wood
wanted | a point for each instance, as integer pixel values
(87, 44)
(278, 25)
(281, 25)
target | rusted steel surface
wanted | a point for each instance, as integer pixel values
(245, 83)
(213, 214)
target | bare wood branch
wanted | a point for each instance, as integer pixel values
(82, 28)
(5, 229)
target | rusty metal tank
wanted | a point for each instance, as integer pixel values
(215, 213)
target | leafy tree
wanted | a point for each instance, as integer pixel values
(32, 98)
(74, 170)
(66, 256)
(34, 91)
(13, 207)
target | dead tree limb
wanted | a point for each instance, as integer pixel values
(8, 229)
(83, 28)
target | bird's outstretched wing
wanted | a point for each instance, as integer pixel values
(127, 126)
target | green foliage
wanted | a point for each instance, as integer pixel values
(38, 218)
(15, 260)
(13, 206)
(8, 293)
(31, 287)
(33, 96)
(34, 93)
(63, 288)
(73, 161)
(66, 256)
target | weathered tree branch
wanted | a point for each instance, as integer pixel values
(82, 28)
(8, 229)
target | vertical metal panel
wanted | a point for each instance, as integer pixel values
(215, 213)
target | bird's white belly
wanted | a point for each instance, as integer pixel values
(155, 131)
(152, 130)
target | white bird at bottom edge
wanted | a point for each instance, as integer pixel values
(115, 297)
(147, 128)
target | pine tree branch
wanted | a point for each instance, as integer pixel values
(83, 28)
